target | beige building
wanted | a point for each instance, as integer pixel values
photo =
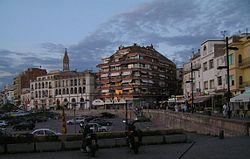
(75, 89)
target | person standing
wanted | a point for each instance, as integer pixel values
(224, 110)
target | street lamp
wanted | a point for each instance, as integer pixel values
(191, 81)
(228, 94)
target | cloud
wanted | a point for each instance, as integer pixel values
(180, 24)
(50, 47)
(5, 74)
(173, 27)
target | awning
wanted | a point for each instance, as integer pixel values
(98, 102)
(245, 97)
(126, 81)
(105, 91)
(126, 73)
(241, 98)
(115, 74)
(105, 75)
(201, 99)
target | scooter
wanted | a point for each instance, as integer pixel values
(91, 145)
(133, 138)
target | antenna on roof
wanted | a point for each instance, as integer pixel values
(223, 33)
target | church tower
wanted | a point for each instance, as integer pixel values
(65, 61)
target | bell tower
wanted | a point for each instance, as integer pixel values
(65, 61)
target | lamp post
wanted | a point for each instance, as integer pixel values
(228, 94)
(192, 91)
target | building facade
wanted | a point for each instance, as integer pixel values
(23, 81)
(239, 63)
(136, 74)
(212, 50)
(70, 88)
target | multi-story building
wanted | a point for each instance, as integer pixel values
(208, 82)
(211, 50)
(239, 63)
(136, 74)
(187, 81)
(23, 81)
(8, 94)
(76, 89)
(179, 78)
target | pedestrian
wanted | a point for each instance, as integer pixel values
(224, 110)
(229, 111)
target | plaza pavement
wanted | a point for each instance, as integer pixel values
(199, 147)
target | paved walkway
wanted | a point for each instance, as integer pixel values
(205, 147)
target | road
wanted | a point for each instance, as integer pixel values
(56, 125)
(205, 147)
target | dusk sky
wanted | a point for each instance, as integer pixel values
(34, 33)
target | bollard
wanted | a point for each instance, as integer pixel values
(221, 134)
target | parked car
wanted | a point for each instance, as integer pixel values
(76, 120)
(44, 132)
(101, 121)
(24, 126)
(3, 124)
(4, 133)
(95, 127)
(107, 115)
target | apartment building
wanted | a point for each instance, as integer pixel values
(208, 82)
(239, 63)
(211, 51)
(136, 74)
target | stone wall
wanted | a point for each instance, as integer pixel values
(200, 123)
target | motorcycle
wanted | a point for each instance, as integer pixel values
(133, 138)
(90, 144)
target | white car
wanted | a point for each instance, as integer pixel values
(95, 127)
(77, 120)
(44, 132)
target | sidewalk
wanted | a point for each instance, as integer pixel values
(207, 147)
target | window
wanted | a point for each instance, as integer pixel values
(240, 59)
(204, 66)
(211, 84)
(219, 81)
(230, 59)
(211, 64)
(206, 85)
(240, 80)
(231, 80)
(75, 82)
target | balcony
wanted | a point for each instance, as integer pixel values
(245, 63)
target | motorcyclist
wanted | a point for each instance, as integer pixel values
(86, 131)
(132, 131)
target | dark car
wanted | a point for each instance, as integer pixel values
(102, 122)
(107, 115)
(24, 126)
